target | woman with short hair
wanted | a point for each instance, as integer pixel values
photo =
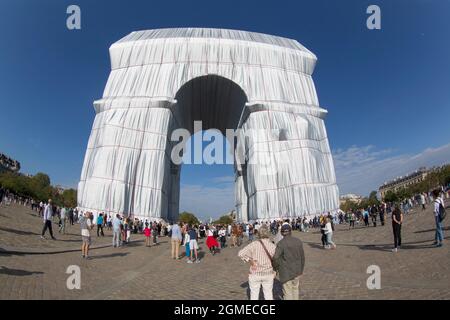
(259, 254)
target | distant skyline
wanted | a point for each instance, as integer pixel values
(386, 91)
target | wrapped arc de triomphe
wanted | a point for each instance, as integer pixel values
(166, 79)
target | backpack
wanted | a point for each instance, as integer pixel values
(441, 212)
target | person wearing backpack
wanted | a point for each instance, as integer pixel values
(439, 215)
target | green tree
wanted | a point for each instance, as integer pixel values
(69, 198)
(349, 205)
(226, 219)
(41, 180)
(391, 196)
(373, 199)
(189, 218)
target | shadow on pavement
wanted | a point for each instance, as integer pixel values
(19, 232)
(111, 255)
(431, 230)
(18, 272)
(425, 244)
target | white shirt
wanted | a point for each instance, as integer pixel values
(222, 233)
(328, 228)
(48, 212)
(85, 232)
(63, 213)
(438, 201)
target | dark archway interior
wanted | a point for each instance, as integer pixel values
(216, 101)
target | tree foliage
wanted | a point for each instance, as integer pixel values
(189, 218)
(434, 179)
(38, 188)
(226, 219)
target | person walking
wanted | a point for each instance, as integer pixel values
(397, 220)
(176, 241)
(62, 220)
(259, 254)
(147, 234)
(41, 209)
(155, 232)
(250, 232)
(193, 245)
(2, 193)
(211, 241)
(366, 217)
(352, 220)
(128, 226)
(47, 215)
(100, 225)
(422, 201)
(289, 262)
(323, 236)
(240, 235)
(186, 242)
(71, 216)
(116, 225)
(382, 211)
(374, 214)
(439, 208)
(328, 231)
(86, 225)
(222, 237)
(234, 234)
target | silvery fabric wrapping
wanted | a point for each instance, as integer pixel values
(258, 83)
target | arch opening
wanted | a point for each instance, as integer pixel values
(218, 104)
(216, 101)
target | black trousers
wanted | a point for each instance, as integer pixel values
(47, 225)
(366, 221)
(397, 228)
(222, 242)
(100, 228)
(324, 238)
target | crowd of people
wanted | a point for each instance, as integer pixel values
(397, 212)
(269, 249)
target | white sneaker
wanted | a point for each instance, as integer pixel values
(189, 261)
(394, 250)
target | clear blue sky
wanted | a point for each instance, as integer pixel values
(387, 91)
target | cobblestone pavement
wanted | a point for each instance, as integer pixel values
(31, 268)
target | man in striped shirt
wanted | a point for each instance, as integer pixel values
(259, 254)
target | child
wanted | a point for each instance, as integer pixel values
(186, 244)
(147, 233)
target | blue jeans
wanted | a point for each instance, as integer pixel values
(439, 235)
(330, 239)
